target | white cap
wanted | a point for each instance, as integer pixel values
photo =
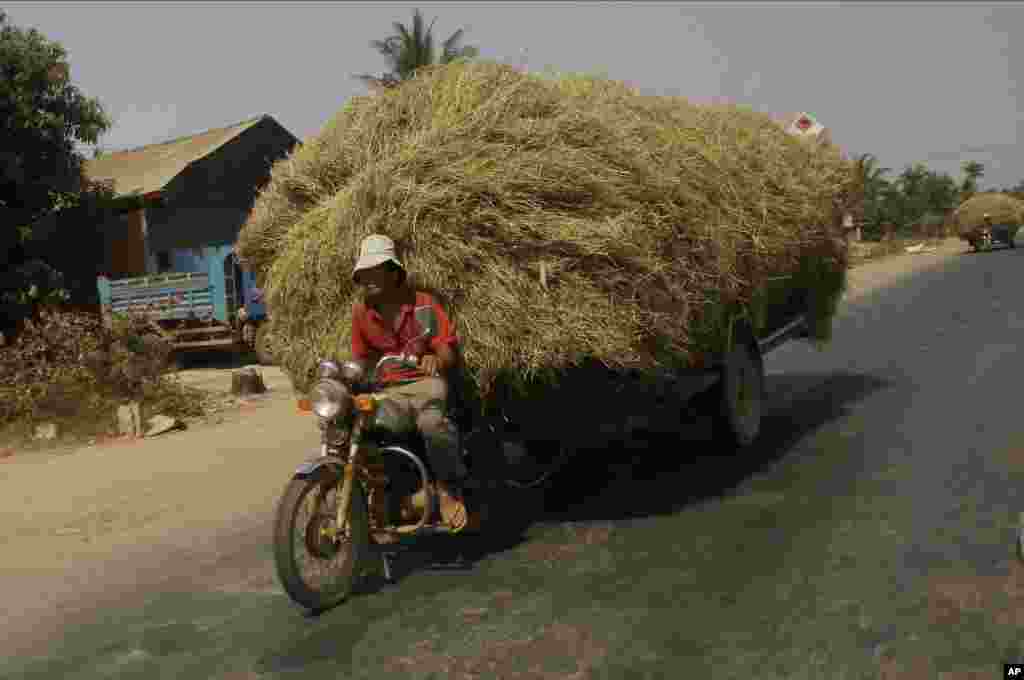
(376, 249)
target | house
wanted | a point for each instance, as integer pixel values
(191, 192)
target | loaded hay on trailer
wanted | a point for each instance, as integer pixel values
(1003, 209)
(565, 221)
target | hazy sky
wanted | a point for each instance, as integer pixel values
(908, 82)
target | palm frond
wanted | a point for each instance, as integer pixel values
(450, 50)
(412, 47)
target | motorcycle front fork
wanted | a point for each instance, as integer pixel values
(348, 477)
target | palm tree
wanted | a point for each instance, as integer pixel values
(973, 171)
(872, 186)
(941, 192)
(1016, 191)
(871, 177)
(410, 49)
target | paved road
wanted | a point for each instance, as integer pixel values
(869, 535)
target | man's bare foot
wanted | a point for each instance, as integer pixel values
(453, 509)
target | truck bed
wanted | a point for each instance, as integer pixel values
(163, 297)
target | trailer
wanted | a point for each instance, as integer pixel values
(726, 388)
(730, 388)
(216, 306)
(983, 238)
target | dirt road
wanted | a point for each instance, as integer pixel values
(100, 525)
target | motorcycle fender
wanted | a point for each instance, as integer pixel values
(309, 468)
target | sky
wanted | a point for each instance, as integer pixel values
(907, 82)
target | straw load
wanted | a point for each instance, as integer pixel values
(565, 221)
(1003, 209)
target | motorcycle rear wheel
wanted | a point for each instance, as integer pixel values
(541, 462)
(338, 560)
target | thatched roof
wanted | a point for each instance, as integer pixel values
(150, 168)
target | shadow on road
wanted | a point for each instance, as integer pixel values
(650, 475)
(655, 476)
(662, 475)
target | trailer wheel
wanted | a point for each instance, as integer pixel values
(737, 400)
(264, 349)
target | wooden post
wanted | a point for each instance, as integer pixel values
(247, 381)
(129, 419)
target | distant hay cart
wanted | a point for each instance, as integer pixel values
(1005, 213)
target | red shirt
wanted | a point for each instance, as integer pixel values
(371, 338)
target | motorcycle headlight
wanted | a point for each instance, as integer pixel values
(330, 399)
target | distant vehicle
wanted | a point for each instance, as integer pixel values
(214, 306)
(983, 238)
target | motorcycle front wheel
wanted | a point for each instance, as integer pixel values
(316, 569)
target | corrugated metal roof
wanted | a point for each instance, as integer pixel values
(150, 168)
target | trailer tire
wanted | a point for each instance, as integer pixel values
(737, 400)
(263, 347)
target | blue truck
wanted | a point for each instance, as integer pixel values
(207, 302)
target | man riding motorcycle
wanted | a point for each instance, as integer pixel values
(384, 324)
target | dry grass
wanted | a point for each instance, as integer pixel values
(69, 369)
(1003, 209)
(654, 219)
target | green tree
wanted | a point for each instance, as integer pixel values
(873, 185)
(1016, 191)
(875, 188)
(941, 192)
(872, 177)
(973, 171)
(411, 48)
(919, 192)
(42, 117)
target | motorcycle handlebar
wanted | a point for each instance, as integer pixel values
(401, 360)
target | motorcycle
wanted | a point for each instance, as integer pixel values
(370, 489)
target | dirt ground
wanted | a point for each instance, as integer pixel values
(75, 520)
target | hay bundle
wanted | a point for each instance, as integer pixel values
(651, 220)
(968, 218)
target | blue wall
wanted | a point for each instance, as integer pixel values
(186, 260)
